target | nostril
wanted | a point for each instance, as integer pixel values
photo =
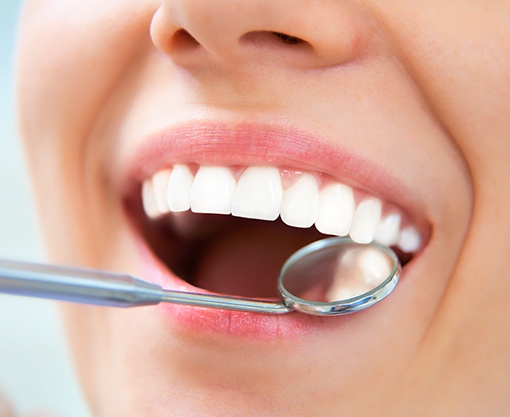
(288, 39)
(183, 39)
(274, 39)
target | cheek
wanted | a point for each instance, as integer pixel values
(71, 55)
(460, 58)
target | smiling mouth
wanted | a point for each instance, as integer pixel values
(229, 229)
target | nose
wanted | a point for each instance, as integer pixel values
(296, 33)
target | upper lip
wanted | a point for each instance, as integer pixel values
(246, 144)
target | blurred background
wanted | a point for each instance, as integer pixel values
(35, 367)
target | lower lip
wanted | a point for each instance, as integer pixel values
(227, 322)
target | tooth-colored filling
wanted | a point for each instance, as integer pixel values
(265, 193)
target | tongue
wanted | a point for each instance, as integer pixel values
(246, 261)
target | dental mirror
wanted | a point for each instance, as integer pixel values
(332, 276)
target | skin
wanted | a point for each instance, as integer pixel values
(424, 84)
(5, 407)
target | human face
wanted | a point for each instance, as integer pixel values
(405, 102)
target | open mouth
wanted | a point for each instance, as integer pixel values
(229, 229)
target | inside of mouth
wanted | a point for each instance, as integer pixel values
(226, 254)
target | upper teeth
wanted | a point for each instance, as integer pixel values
(259, 193)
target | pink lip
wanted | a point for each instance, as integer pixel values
(253, 144)
(248, 144)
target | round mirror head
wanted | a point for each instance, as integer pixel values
(338, 276)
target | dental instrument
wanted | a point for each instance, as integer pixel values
(332, 276)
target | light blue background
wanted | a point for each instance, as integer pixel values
(35, 368)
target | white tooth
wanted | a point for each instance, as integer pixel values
(159, 185)
(366, 219)
(410, 240)
(258, 194)
(336, 209)
(362, 270)
(300, 202)
(375, 266)
(212, 190)
(178, 190)
(344, 293)
(388, 231)
(149, 200)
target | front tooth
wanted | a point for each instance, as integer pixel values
(258, 194)
(366, 219)
(300, 202)
(212, 190)
(160, 185)
(410, 239)
(336, 209)
(388, 231)
(149, 199)
(179, 187)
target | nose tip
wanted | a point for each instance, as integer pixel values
(297, 33)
